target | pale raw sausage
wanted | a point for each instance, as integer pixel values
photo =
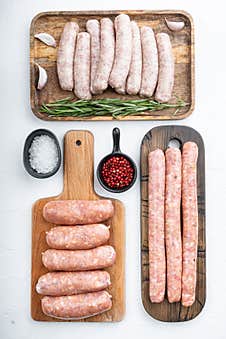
(82, 67)
(190, 222)
(156, 241)
(149, 62)
(69, 283)
(173, 224)
(107, 51)
(134, 77)
(93, 28)
(166, 68)
(75, 212)
(76, 306)
(123, 51)
(77, 237)
(80, 260)
(65, 55)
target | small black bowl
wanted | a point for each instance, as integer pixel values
(27, 146)
(116, 151)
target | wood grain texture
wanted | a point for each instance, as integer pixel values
(159, 137)
(78, 184)
(45, 56)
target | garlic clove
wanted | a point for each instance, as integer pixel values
(175, 26)
(46, 38)
(42, 77)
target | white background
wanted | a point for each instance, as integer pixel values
(19, 190)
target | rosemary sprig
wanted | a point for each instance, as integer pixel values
(106, 107)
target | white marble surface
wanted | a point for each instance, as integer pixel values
(19, 190)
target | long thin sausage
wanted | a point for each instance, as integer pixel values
(166, 68)
(190, 222)
(75, 212)
(134, 77)
(156, 193)
(173, 224)
(82, 67)
(65, 56)
(77, 306)
(93, 28)
(107, 51)
(149, 62)
(123, 51)
(69, 283)
(77, 237)
(80, 260)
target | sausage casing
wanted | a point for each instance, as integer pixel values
(190, 222)
(173, 224)
(76, 306)
(65, 55)
(69, 283)
(80, 260)
(77, 237)
(73, 212)
(156, 239)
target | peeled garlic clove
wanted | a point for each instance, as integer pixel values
(42, 77)
(175, 26)
(46, 38)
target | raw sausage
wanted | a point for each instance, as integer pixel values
(82, 67)
(77, 306)
(80, 260)
(123, 51)
(172, 224)
(190, 222)
(73, 212)
(93, 28)
(156, 192)
(149, 62)
(77, 237)
(107, 51)
(166, 68)
(69, 283)
(134, 77)
(65, 56)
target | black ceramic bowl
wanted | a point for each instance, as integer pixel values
(116, 152)
(27, 146)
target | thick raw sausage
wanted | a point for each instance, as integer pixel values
(156, 192)
(166, 68)
(190, 222)
(65, 56)
(69, 283)
(93, 28)
(173, 224)
(82, 67)
(80, 260)
(123, 51)
(134, 77)
(149, 62)
(107, 51)
(75, 212)
(77, 237)
(77, 306)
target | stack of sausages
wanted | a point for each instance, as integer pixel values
(74, 287)
(172, 248)
(130, 59)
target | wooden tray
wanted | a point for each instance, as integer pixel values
(159, 137)
(53, 23)
(78, 184)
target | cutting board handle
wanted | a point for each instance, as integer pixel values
(78, 165)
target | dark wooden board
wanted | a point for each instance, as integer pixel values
(78, 184)
(159, 137)
(45, 56)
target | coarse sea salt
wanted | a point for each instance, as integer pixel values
(43, 155)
